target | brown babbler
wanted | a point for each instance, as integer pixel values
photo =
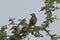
(33, 20)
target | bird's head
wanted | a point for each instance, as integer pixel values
(33, 15)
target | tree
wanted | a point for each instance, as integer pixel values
(21, 33)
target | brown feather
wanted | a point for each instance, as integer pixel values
(33, 21)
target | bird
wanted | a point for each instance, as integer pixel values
(32, 20)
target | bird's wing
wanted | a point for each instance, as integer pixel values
(33, 20)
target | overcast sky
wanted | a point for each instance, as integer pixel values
(20, 9)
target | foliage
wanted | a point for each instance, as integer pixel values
(22, 29)
(3, 34)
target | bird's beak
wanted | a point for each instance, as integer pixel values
(30, 14)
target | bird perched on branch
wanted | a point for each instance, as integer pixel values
(33, 20)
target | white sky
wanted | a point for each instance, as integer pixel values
(22, 8)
